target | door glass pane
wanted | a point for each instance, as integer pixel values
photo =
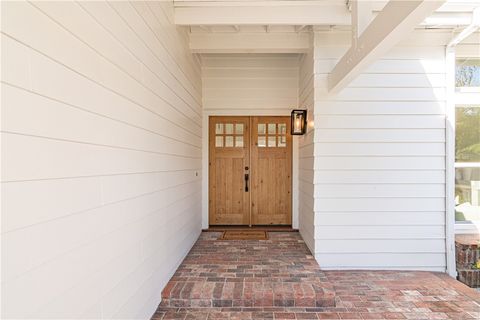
(239, 128)
(272, 128)
(219, 128)
(282, 141)
(239, 141)
(271, 141)
(229, 128)
(261, 141)
(261, 128)
(282, 128)
(218, 141)
(228, 141)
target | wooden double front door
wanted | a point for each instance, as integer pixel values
(250, 171)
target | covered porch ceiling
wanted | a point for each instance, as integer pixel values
(283, 26)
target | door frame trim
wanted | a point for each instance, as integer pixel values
(205, 158)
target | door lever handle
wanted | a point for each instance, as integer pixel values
(246, 182)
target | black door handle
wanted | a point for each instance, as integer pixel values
(246, 182)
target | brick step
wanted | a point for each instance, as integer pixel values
(248, 313)
(263, 303)
(248, 294)
(279, 272)
(467, 250)
(470, 277)
(467, 253)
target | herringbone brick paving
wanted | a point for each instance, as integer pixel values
(279, 279)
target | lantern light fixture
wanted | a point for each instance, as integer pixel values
(298, 120)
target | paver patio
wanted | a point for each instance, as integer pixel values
(278, 278)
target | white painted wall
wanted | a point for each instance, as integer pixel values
(101, 137)
(380, 160)
(306, 151)
(249, 85)
(250, 82)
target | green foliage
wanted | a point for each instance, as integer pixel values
(467, 137)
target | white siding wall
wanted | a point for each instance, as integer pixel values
(101, 137)
(247, 83)
(306, 155)
(380, 161)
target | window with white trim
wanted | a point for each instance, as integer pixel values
(467, 142)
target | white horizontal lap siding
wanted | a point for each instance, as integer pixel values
(379, 168)
(101, 133)
(249, 82)
(306, 153)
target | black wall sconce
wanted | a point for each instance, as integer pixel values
(298, 119)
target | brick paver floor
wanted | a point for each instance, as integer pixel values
(278, 278)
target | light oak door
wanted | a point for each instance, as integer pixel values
(250, 171)
(271, 162)
(229, 161)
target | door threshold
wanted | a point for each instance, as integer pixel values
(268, 228)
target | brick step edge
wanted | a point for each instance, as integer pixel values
(245, 309)
(470, 277)
(286, 303)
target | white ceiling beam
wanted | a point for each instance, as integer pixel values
(362, 15)
(246, 13)
(328, 16)
(474, 26)
(318, 12)
(389, 27)
(273, 42)
(255, 3)
(448, 19)
(448, 6)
